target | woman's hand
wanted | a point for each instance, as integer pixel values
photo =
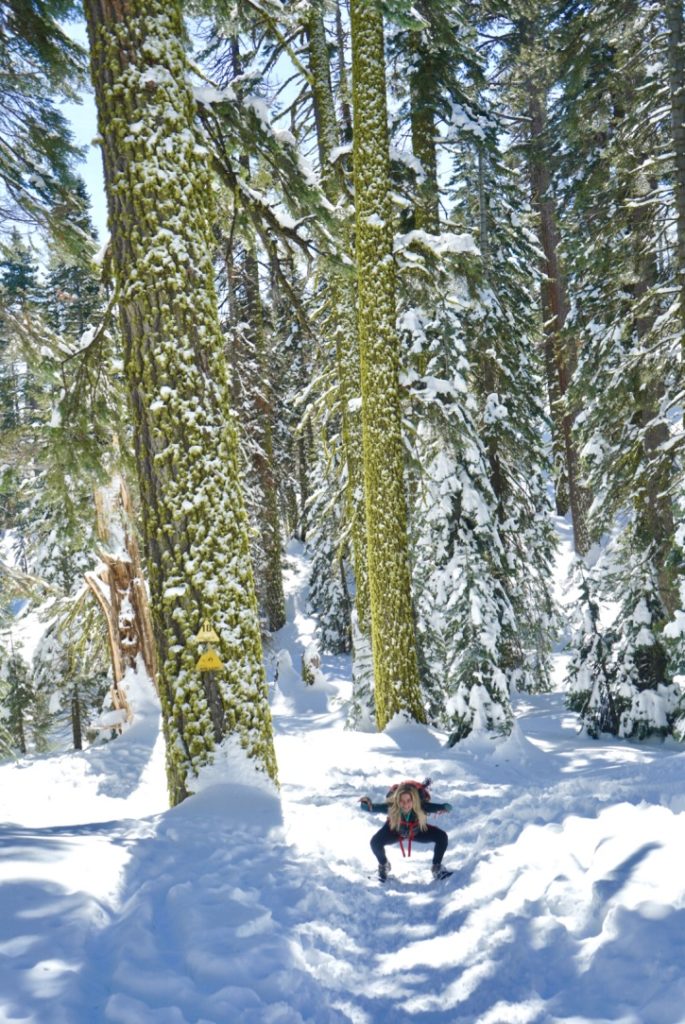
(365, 801)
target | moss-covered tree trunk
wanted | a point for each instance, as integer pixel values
(676, 78)
(194, 524)
(344, 319)
(392, 625)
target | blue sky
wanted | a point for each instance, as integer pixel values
(83, 118)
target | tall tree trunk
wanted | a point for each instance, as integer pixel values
(676, 79)
(343, 80)
(488, 363)
(422, 105)
(21, 733)
(343, 306)
(392, 626)
(76, 732)
(263, 459)
(194, 522)
(654, 516)
(560, 355)
(269, 518)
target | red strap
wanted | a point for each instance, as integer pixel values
(411, 826)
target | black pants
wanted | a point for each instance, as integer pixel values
(385, 836)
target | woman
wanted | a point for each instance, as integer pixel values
(407, 820)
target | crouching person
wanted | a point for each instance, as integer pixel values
(407, 806)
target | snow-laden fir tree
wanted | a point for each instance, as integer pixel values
(481, 524)
(57, 424)
(194, 523)
(590, 677)
(329, 594)
(40, 65)
(461, 609)
(618, 173)
(526, 73)
(70, 669)
(16, 700)
(501, 327)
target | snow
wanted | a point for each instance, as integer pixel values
(567, 902)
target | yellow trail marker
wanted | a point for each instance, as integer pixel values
(207, 634)
(209, 661)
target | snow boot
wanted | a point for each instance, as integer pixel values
(383, 871)
(439, 872)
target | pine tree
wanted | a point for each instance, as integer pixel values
(58, 440)
(482, 562)
(17, 697)
(39, 65)
(194, 523)
(392, 628)
(70, 670)
(591, 675)
(629, 372)
(676, 85)
(341, 324)
(530, 80)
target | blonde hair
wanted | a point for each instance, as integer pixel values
(395, 811)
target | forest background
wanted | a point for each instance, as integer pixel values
(401, 281)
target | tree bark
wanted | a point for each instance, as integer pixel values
(654, 516)
(343, 79)
(343, 306)
(422, 117)
(392, 627)
(269, 518)
(261, 398)
(560, 355)
(194, 523)
(76, 732)
(676, 78)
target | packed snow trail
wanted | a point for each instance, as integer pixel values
(567, 903)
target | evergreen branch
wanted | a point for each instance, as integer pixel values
(16, 582)
(283, 40)
(94, 340)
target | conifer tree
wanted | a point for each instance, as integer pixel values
(39, 65)
(341, 323)
(392, 628)
(70, 668)
(482, 562)
(16, 701)
(194, 522)
(526, 71)
(630, 374)
(676, 87)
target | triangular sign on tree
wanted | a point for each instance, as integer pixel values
(207, 634)
(209, 661)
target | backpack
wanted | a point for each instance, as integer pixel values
(422, 787)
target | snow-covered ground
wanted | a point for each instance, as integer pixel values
(567, 902)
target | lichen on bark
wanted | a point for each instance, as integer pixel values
(392, 627)
(194, 526)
